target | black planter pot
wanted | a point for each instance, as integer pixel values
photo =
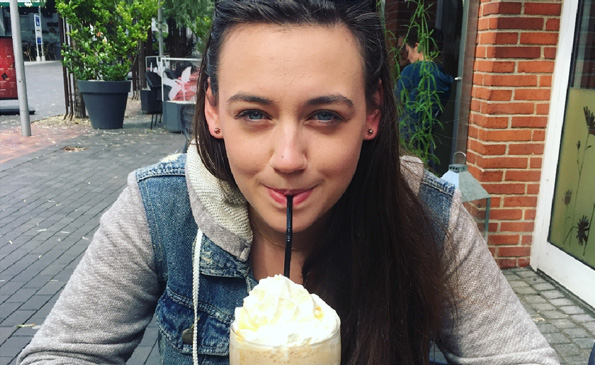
(105, 102)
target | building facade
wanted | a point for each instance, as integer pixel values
(523, 116)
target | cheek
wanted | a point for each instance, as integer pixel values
(339, 164)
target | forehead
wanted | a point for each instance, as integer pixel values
(293, 45)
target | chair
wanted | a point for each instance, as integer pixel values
(154, 82)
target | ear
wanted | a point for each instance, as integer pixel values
(374, 114)
(212, 113)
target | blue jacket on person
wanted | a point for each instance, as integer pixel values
(408, 92)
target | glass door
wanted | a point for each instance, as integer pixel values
(564, 247)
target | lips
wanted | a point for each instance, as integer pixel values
(280, 195)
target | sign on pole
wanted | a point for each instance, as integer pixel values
(38, 38)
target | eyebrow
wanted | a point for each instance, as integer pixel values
(319, 100)
(249, 98)
(330, 99)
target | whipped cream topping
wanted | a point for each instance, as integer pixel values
(278, 312)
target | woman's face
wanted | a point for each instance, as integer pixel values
(292, 111)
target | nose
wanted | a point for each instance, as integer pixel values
(289, 149)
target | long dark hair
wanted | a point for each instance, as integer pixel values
(378, 265)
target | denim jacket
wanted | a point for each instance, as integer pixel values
(224, 280)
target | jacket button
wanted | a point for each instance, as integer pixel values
(188, 335)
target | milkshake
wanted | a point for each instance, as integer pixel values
(281, 323)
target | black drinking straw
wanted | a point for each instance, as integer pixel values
(288, 235)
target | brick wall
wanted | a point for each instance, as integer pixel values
(514, 61)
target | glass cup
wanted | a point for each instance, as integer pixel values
(325, 352)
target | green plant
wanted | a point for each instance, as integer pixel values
(423, 140)
(194, 14)
(104, 35)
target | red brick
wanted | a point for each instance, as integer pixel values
(492, 250)
(552, 24)
(535, 66)
(532, 94)
(538, 135)
(517, 226)
(530, 121)
(489, 121)
(523, 175)
(490, 176)
(529, 214)
(518, 22)
(501, 8)
(510, 80)
(507, 214)
(487, 149)
(475, 105)
(493, 227)
(471, 157)
(483, 24)
(513, 52)
(539, 38)
(507, 135)
(533, 189)
(534, 8)
(504, 188)
(542, 108)
(505, 162)
(504, 239)
(496, 201)
(507, 108)
(525, 148)
(535, 162)
(523, 262)
(477, 78)
(480, 51)
(520, 201)
(526, 239)
(545, 81)
(499, 95)
(549, 53)
(516, 251)
(498, 38)
(494, 66)
(472, 132)
(507, 263)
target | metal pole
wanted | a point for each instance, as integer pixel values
(160, 29)
(20, 68)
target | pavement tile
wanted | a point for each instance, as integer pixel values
(561, 302)
(552, 294)
(590, 326)
(543, 286)
(585, 343)
(572, 309)
(575, 332)
(539, 307)
(553, 314)
(582, 318)
(525, 290)
(534, 299)
(563, 323)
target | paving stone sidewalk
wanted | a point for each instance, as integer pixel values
(50, 204)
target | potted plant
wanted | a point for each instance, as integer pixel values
(104, 36)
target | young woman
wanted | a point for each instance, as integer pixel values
(294, 98)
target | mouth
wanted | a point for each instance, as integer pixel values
(280, 195)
